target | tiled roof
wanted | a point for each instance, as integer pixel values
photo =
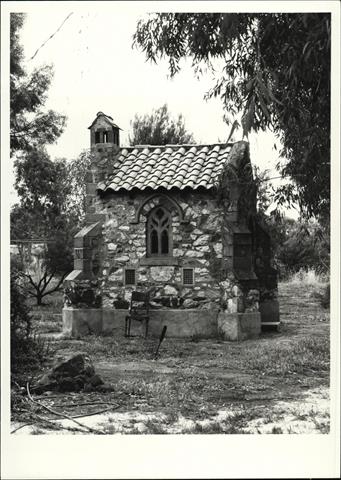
(108, 119)
(168, 166)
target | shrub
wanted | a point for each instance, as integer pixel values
(27, 350)
(299, 245)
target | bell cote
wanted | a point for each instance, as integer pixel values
(104, 133)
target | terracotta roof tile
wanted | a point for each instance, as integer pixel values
(178, 166)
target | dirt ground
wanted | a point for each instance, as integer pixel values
(278, 383)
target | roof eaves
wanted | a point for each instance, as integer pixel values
(108, 118)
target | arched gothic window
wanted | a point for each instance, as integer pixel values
(159, 232)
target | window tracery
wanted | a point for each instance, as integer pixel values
(159, 232)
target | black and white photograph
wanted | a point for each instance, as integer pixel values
(168, 228)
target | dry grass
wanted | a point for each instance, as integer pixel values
(310, 354)
(308, 278)
(205, 376)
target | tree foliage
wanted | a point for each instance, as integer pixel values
(44, 212)
(77, 171)
(50, 212)
(276, 74)
(46, 215)
(159, 128)
(42, 184)
(297, 244)
(30, 125)
(41, 267)
(303, 246)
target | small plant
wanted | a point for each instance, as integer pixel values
(37, 431)
(154, 427)
(324, 297)
(110, 429)
(276, 430)
(198, 428)
(322, 426)
(214, 427)
(196, 337)
(325, 300)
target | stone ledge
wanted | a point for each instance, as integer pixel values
(159, 261)
(95, 217)
(74, 275)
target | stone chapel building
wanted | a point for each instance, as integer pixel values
(180, 222)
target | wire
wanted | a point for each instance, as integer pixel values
(283, 176)
(51, 36)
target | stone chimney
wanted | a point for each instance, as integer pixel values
(104, 145)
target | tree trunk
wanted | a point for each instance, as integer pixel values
(39, 298)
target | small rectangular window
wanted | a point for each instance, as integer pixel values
(129, 276)
(188, 276)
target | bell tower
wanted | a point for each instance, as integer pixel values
(104, 145)
(104, 134)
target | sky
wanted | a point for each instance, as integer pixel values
(96, 69)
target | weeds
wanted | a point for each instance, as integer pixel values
(308, 278)
(45, 323)
(305, 354)
(324, 296)
(110, 429)
(37, 431)
(322, 426)
(277, 430)
(154, 427)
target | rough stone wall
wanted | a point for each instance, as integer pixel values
(236, 196)
(203, 241)
(197, 244)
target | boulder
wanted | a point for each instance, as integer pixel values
(70, 375)
(73, 366)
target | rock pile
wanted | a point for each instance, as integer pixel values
(74, 374)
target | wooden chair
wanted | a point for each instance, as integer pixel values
(138, 310)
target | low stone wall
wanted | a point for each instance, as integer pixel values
(46, 316)
(239, 326)
(78, 322)
(180, 323)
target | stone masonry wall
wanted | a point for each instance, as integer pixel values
(201, 242)
(196, 244)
